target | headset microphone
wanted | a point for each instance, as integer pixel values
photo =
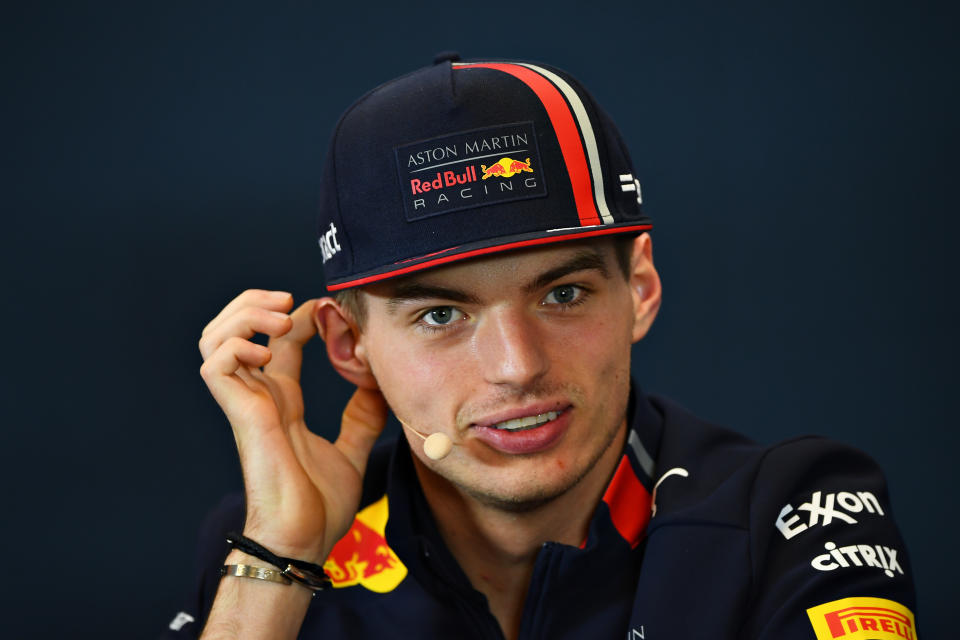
(436, 445)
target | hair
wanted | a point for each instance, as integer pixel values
(623, 250)
(354, 304)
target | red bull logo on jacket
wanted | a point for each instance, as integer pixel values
(862, 619)
(363, 556)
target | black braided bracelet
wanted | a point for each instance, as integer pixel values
(310, 575)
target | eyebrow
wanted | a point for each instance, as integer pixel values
(411, 291)
(586, 260)
(581, 261)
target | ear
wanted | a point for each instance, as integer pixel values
(341, 336)
(644, 286)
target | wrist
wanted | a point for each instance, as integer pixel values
(246, 608)
(239, 557)
(308, 574)
(286, 546)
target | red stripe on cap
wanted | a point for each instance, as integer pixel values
(567, 134)
(629, 503)
(485, 251)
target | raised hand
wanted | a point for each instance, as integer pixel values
(302, 490)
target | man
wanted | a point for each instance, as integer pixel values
(482, 232)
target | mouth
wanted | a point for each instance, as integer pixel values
(526, 422)
(527, 430)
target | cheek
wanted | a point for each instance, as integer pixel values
(602, 344)
(412, 381)
(597, 360)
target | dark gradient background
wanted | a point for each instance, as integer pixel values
(798, 160)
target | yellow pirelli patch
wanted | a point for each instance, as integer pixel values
(862, 619)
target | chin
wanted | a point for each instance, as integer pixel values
(525, 491)
(514, 502)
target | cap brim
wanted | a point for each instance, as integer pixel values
(483, 248)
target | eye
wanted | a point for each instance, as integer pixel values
(439, 316)
(565, 294)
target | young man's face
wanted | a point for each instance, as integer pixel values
(522, 359)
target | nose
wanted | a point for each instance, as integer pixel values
(511, 349)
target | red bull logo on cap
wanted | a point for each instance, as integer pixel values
(451, 173)
(363, 557)
(505, 168)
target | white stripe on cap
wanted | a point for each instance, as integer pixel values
(586, 130)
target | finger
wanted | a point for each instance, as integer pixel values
(227, 373)
(363, 420)
(245, 322)
(231, 356)
(287, 348)
(272, 300)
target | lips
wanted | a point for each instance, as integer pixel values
(524, 431)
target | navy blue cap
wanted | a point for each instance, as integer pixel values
(463, 159)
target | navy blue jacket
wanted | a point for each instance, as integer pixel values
(701, 534)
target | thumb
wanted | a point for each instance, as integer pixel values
(363, 420)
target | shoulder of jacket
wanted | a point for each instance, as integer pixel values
(724, 473)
